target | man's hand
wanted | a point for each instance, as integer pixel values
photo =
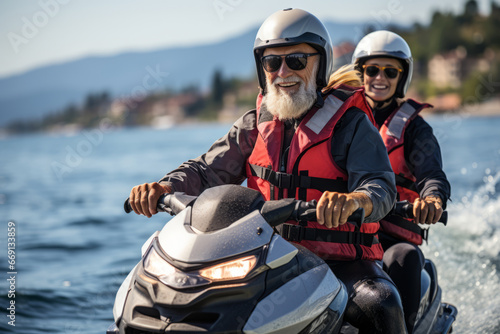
(333, 208)
(427, 210)
(143, 198)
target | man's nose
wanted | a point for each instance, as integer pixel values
(284, 71)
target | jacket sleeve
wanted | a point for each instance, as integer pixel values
(358, 149)
(423, 156)
(224, 163)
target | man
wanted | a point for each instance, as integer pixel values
(300, 143)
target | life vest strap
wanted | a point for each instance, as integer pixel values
(298, 233)
(406, 183)
(407, 225)
(290, 181)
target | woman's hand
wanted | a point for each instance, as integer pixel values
(427, 210)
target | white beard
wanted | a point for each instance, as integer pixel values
(290, 106)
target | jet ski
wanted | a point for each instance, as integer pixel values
(219, 266)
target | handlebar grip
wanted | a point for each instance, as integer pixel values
(444, 218)
(405, 210)
(126, 206)
(160, 206)
(306, 211)
(170, 203)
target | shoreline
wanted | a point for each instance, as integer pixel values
(489, 108)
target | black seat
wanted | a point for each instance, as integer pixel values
(431, 270)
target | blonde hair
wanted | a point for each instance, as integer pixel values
(346, 75)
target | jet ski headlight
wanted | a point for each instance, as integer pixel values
(155, 265)
(158, 267)
(230, 270)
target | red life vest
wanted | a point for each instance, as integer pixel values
(392, 132)
(308, 172)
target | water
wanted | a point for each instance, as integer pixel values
(74, 244)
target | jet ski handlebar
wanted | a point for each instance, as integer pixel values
(405, 210)
(275, 212)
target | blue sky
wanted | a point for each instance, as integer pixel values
(35, 33)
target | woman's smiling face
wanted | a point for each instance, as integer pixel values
(380, 87)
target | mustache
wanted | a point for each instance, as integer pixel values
(293, 78)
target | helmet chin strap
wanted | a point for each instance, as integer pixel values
(319, 99)
(379, 104)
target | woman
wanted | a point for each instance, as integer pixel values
(385, 62)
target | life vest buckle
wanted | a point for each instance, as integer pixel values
(293, 232)
(283, 180)
(355, 238)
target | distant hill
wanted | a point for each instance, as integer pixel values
(47, 89)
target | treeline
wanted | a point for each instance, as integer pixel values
(133, 111)
(87, 115)
(447, 31)
(476, 35)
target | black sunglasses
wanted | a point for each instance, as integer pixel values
(294, 61)
(390, 72)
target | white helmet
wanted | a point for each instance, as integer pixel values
(385, 43)
(291, 27)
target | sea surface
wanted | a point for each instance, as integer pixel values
(74, 245)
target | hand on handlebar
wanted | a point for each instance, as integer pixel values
(274, 212)
(427, 210)
(144, 198)
(334, 208)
